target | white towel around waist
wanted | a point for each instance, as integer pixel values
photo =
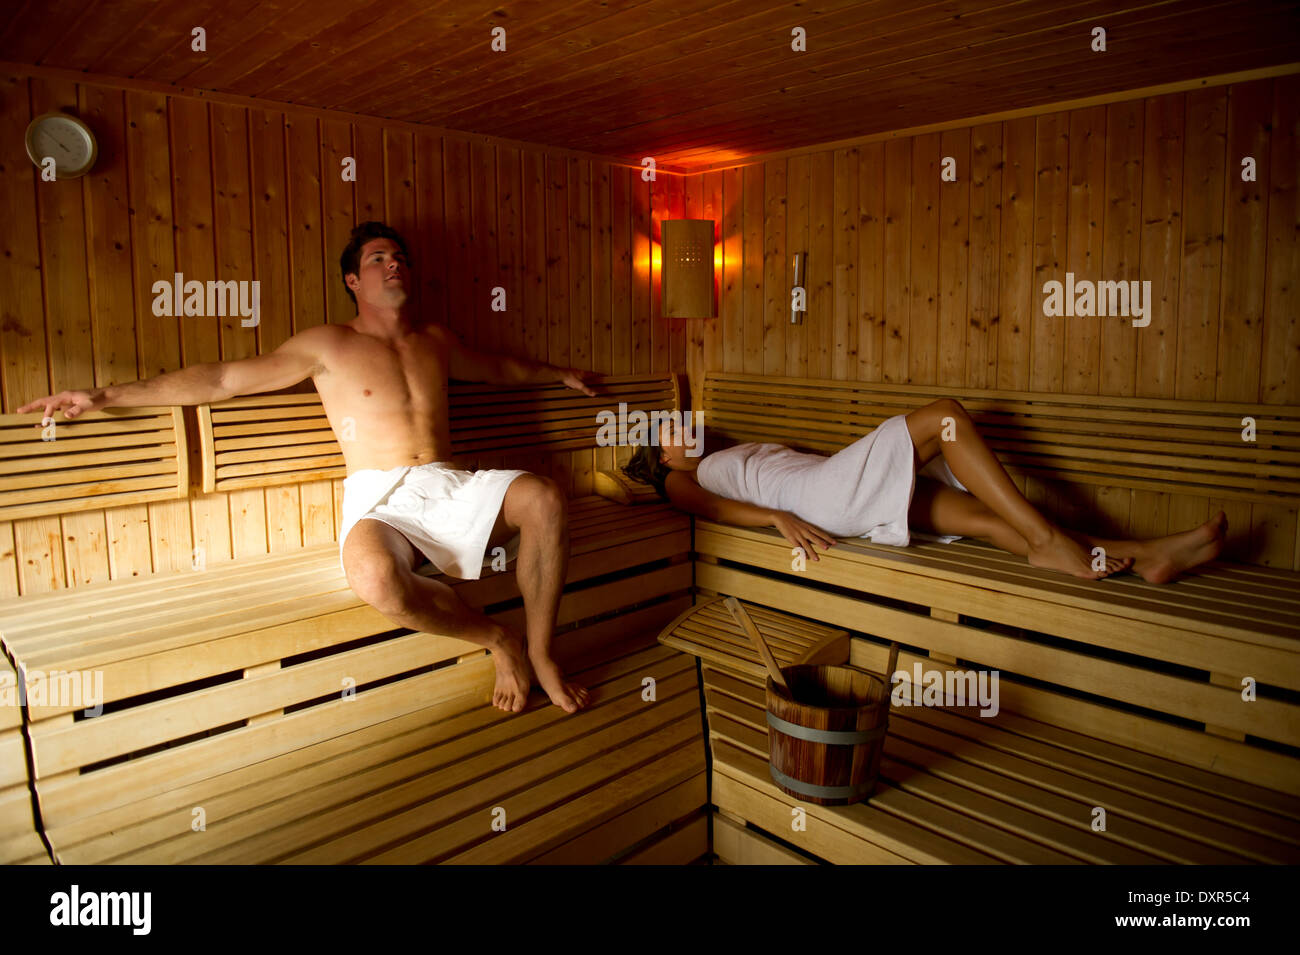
(863, 490)
(447, 512)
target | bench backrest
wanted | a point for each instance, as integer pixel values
(1174, 446)
(264, 440)
(98, 459)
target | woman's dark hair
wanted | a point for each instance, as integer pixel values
(646, 466)
(350, 260)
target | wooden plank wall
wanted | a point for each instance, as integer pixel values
(912, 279)
(215, 190)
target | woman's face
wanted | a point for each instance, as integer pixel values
(672, 448)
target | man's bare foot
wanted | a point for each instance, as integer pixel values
(513, 678)
(568, 696)
(1167, 557)
(1062, 552)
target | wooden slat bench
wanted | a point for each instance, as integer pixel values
(1152, 444)
(19, 842)
(1142, 681)
(267, 440)
(234, 693)
(960, 788)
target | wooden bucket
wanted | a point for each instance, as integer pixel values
(825, 744)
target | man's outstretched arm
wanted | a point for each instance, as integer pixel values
(470, 365)
(199, 384)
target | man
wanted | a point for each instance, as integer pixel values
(382, 378)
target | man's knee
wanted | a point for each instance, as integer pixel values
(378, 577)
(382, 586)
(540, 501)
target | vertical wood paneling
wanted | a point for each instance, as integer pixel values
(921, 344)
(217, 191)
(1085, 215)
(1016, 279)
(948, 283)
(62, 229)
(578, 255)
(1121, 241)
(714, 208)
(1051, 195)
(1280, 376)
(1162, 224)
(776, 299)
(954, 258)
(621, 278)
(643, 252)
(338, 215)
(483, 244)
(821, 263)
(910, 278)
(897, 268)
(1241, 307)
(601, 271)
(871, 250)
(557, 260)
(429, 255)
(534, 277)
(844, 327)
(458, 226)
(797, 178)
(985, 211)
(732, 303)
(658, 325)
(509, 258)
(752, 263)
(675, 355)
(1202, 255)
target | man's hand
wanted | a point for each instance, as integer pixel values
(576, 378)
(73, 403)
(800, 533)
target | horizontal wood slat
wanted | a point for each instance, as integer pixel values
(266, 440)
(993, 786)
(176, 628)
(99, 459)
(1193, 447)
(419, 785)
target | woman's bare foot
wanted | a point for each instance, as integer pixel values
(1164, 558)
(1061, 552)
(568, 696)
(514, 681)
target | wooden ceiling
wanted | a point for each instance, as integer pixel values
(691, 82)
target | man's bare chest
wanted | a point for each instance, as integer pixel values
(367, 375)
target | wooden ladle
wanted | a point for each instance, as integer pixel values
(742, 618)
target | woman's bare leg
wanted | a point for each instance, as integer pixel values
(940, 509)
(974, 464)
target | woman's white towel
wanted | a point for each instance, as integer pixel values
(863, 490)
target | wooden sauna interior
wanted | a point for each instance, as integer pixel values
(523, 169)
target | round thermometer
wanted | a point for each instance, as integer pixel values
(65, 138)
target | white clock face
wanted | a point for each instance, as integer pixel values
(65, 142)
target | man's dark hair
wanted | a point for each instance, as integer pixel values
(350, 260)
(646, 466)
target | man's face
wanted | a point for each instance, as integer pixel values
(382, 278)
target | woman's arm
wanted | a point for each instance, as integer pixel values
(686, 494)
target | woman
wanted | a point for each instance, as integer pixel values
(898, 477)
